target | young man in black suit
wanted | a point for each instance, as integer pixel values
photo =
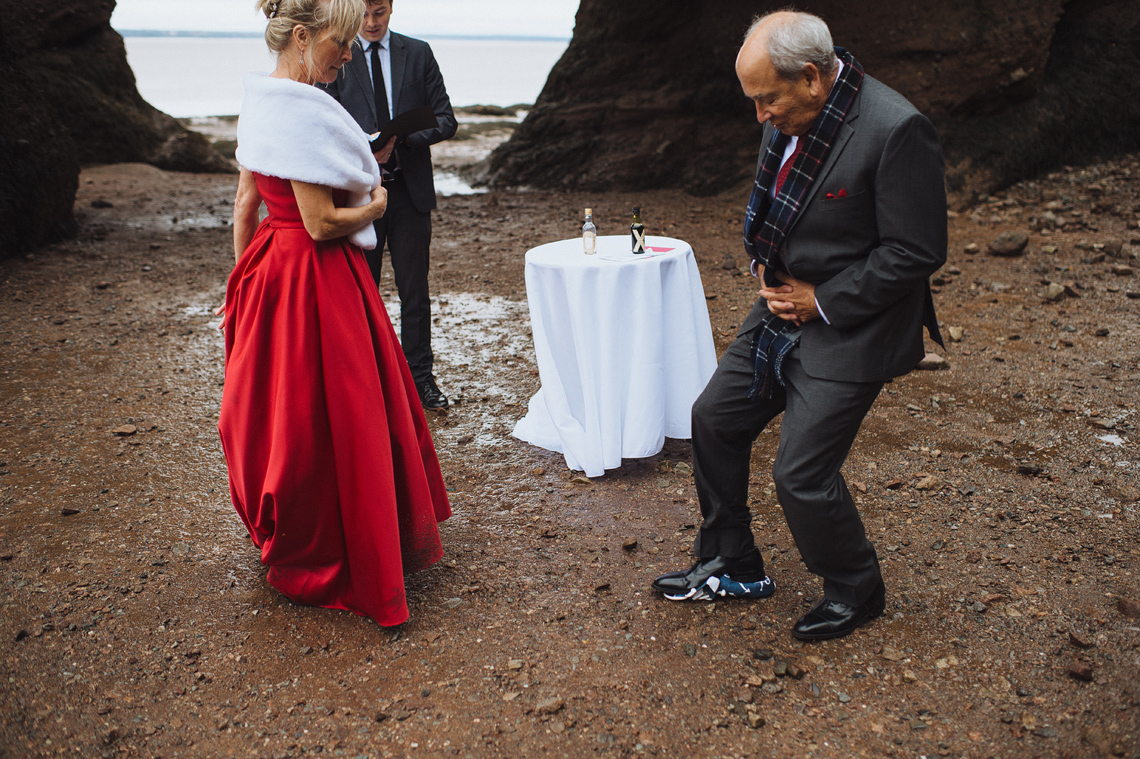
(408, 78)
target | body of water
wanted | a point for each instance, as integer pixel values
(202, 76)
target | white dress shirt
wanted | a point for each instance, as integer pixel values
(385, 63)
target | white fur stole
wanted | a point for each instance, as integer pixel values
(294, 131)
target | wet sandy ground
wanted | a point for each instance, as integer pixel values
(1001, 493)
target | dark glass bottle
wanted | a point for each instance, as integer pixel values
(637, 232)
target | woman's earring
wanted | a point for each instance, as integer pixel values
(302, 58)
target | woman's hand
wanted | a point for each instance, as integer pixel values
(324, 221)
(221, 311)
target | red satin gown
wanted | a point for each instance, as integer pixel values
(332, 467)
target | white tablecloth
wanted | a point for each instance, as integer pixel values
(624, 347)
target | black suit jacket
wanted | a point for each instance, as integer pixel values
(416, 82)
(870, 250)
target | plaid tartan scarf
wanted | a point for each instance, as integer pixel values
(774, 337)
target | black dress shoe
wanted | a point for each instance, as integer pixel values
(719, 576)
(430, 395)
(831, 619)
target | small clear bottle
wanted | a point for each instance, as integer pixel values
(589, 234)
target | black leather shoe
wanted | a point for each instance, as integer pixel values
(831, 619)
(691, 584)
(430, 395)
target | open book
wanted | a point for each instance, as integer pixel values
(409, 122)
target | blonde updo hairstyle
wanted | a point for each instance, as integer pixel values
(340, 18)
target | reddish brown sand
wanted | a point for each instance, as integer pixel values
(1001, 493)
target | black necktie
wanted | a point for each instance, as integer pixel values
(378, 88)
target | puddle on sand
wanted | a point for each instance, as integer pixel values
(483, 350)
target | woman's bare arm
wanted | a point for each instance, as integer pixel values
(324, 221)
(247, 203)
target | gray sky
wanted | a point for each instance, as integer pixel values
(534, 18)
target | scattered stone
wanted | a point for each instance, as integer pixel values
(955, 334)
(909, 677)
(580, 480)
(890, 653)
(1129, 607)
(100, 203)
(306, 650)
(762, 654)
(453, 603)
(689, 649)
(1054, 292)
(1123, 493)
(683, 468)
(844, 698)
(602, 587)
(728, 263)
(549, 706)
(933, 362)
(796, 672)
(1080, 641)
(1028, 468)
(1081, 671)
(1132, 295)
(1113, 247)
(514, 664)
(67, 511)
(111, 736)
(125, 431)
(780, 668)
(931, 484)
(510, 696)
(465, 439)
(180, 549)
(894, 485)
(629, 544)
(754, 720)
(1009, 244)
(1121, 270)
(538, 471)
(980, 607)
(971, 249)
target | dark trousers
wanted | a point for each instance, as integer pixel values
(407, 231)
(821, 419)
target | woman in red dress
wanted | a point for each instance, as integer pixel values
(331, 463)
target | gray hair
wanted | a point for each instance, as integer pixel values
(796, 41)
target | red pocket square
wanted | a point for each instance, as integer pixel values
(833, 196)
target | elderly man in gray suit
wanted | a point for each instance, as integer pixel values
(846, 223)
(390, 74)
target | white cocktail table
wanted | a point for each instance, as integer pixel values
(624, 347)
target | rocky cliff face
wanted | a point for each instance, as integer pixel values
(646, 94)
(68, 97)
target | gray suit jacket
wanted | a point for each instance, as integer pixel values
(416, 82)
(870, 253)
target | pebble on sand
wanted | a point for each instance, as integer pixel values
(933, 362)
(1009, 244)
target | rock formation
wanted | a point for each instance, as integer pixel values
(646, 94)
(68, 97)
